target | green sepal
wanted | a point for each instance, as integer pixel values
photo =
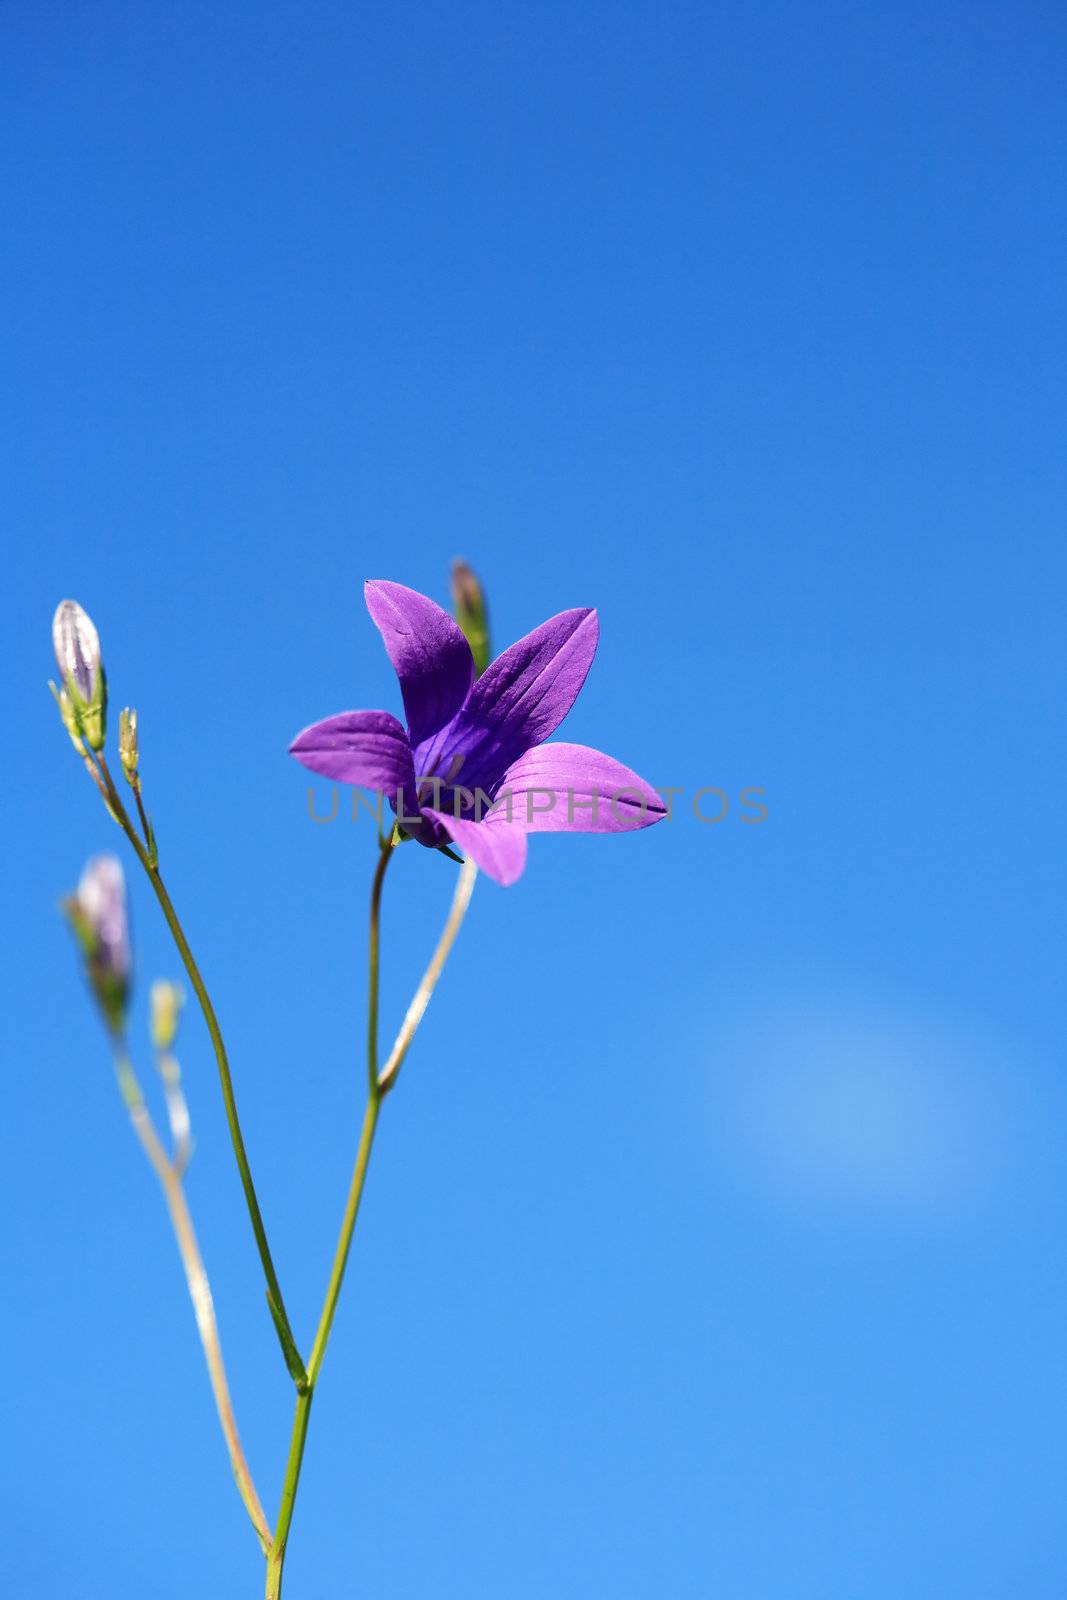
(69, 716)
(90, 715)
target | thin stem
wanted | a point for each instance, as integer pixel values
(378, 1086)
(236, 1138)
(417, 1009)
(344, 1241)
(196, 1277)
(177, 1110)
(276, 1560)
(145, 825)
(373, 952)
(302, 1414)
(276, 1554)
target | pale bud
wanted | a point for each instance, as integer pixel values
(468, 600)
(97, 913)
(128, 751)
(77, 647)
(166, 1000)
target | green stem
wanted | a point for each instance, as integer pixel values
(373, 957)
(276, 1558)
(344, 1241)
(423, 994)
(177, 933)
(301, 1417)
(146, 826)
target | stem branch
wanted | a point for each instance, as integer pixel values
(236, 1138)
(170, 1179)
(377, 1088)
(417, 1009)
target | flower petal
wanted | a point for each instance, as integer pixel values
(520, 699)
(431, 657)
(496, 845)
(552, 790)
(366, 748)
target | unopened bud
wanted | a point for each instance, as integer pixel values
(97, 914)
(471, 613)
(77, 647)
(128, 752)
(166, 1000)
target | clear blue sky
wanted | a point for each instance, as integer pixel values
(715, 1240)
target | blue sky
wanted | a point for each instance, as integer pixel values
(714, 1242)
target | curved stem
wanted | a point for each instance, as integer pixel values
(170, 1179)
(374, 940)
(177, 933)
(417, 1009)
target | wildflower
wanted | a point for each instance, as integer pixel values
(97, 913)
(489, 733)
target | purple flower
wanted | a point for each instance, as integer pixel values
(472, 766)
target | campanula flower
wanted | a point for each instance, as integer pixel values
(472, 765)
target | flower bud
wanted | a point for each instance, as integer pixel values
(97, 914)
(471, 613)
(166, 1000)
(128, 751)
(77, 647)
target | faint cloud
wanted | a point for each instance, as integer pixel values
(830, 1098)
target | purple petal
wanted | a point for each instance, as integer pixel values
(431, 657)
(366, 748)
(552, 790)
(495, 845)
(519, 700)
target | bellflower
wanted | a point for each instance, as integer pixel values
(472, 765)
